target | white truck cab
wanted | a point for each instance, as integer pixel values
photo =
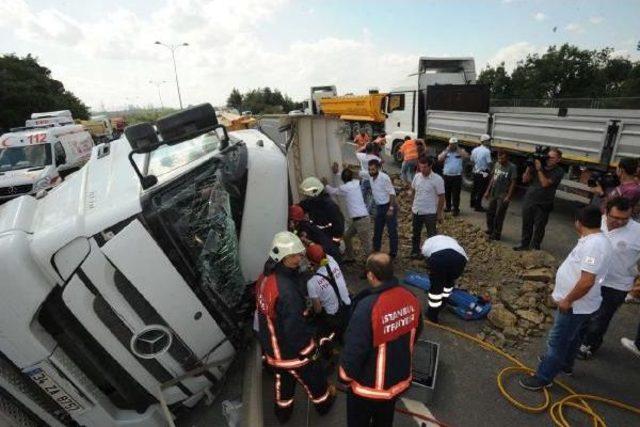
(135, 271)
(32, 158)
(406, 105)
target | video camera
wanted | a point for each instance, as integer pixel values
(606, 179)
(540, 153)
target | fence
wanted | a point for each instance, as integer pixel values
(595, 103)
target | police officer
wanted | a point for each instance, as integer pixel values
(322, 210)
(446, 260)
(452, 157)
(481, 159)
(287, 339)
(378, 346)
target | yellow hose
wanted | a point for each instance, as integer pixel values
(556, 409)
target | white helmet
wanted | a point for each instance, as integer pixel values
(284, 244)
(311, 186)
(453, 140)
(484, 138)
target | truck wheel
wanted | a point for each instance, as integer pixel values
(397, 155)
(355, 128)
(368, 129)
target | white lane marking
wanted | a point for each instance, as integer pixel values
(419, 408)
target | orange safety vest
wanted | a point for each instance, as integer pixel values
(409, 150)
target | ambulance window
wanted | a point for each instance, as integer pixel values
(58, 150)
(396, 102)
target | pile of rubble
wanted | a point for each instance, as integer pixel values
(518, 284)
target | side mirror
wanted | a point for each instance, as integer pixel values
(142, 137)
(187, 124)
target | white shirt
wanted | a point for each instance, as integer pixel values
(320, 288)
(381, 187)
(364, 158)
(592, 254)
(481, 158)
(623, 266)
(353, 197)
(427, 189)
(439, 243)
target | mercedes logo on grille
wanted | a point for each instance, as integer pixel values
(152, 341)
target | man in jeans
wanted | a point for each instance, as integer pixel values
(409, 150)
(384, 196)
(499, 194)
(452, 157)
(428, 189)
(624, 235)
(543, 180)
(577, 293)
(357, 210)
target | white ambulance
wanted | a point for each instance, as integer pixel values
(38, 157)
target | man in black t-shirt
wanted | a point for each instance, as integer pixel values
(543, 182)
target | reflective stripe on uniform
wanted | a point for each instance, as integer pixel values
(434, 304)
(327, 339)
(381, 365)
(435, 297)
(305, 351)
(287, 363)
(281, 403)
(447, 291)
(343, 375)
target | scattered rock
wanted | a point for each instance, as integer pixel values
(542, 274)
(511, 332)
(529, 286)
(532, 316)
(501, 318)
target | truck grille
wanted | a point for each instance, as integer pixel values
(15, 190)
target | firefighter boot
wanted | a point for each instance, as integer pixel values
(323, 407)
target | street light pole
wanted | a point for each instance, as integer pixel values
(157, 85)
(172, 48)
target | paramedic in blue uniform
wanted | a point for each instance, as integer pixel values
(286, 336)
(378, 346)
(446, 260)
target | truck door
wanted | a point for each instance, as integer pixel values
(400, 109)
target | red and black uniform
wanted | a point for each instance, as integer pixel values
(326, 214)
(376, 358)
(287, 338)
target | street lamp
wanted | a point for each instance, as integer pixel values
(157, 85)
(172, 48)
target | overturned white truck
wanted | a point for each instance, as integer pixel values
(134, 272)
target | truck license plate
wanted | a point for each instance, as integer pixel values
(56, 392)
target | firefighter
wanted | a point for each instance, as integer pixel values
(446, 260)
(322, 210)
(286, 336)
(309, 232)
(378, 346)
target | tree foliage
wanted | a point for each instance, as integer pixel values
(261, 100)
(27, 87)
(566, 72)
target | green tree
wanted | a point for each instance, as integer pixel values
(27, 87)
(235, 99)
(566, 72)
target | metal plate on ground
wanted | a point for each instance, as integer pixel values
(425, 370)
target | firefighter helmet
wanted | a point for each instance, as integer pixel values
(284, 244)
(311, 186)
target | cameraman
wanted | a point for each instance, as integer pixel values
(543, 180)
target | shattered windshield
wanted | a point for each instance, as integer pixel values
(170, 157)
(200, 213)
(25, 157)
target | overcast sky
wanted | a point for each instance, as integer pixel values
(104, 51)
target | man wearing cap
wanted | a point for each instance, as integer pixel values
(328, 293)
(286, 336)
(481, 159)
(452, 157)
(309, 232)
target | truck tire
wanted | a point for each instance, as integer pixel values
(397, 156)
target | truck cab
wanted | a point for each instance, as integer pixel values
(117, 287)
(406, 105)
(33, 158)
